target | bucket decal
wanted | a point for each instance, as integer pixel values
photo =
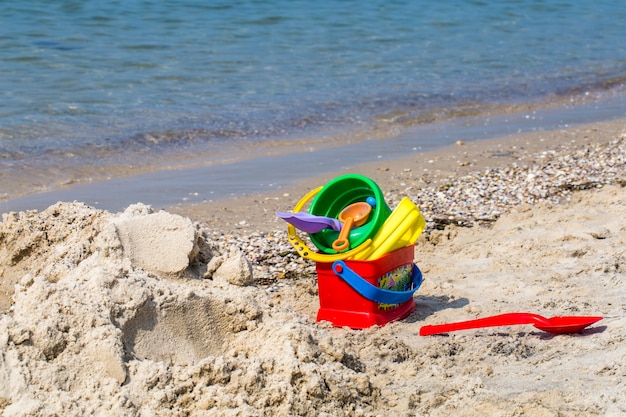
(400, 279)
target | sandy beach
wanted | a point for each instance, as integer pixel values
(206, 310)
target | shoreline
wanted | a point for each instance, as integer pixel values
(283, 164)
(255, 212)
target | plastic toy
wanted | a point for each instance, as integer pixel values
(339, 193)
(366, 274)
(360, 294)
(558, 324)
(354, 215)
(402, 228)
(310, 223)
(304, 251)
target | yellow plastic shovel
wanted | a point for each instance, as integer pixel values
(401, 229)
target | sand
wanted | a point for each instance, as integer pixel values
(141, 313)
(255, 212)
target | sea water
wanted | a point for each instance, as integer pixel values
(93, 90)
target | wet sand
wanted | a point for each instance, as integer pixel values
(256, 212)
(165, 179)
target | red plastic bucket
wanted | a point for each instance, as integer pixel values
(360, 294)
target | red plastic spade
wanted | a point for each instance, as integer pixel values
(558, 324)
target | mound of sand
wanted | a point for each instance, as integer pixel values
(140, 313)
(137, 314)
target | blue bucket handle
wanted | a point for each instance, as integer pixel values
(374, 293)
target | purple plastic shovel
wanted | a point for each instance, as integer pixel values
(310, 223)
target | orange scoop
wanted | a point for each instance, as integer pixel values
(355, 214)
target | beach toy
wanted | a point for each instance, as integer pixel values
(363, 292)
(340, 193)
(558, 324)
(360, 294)
(301, 247)
(355, 214)
(310, 223)
(402, 228)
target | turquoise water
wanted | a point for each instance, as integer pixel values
(86, 86)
